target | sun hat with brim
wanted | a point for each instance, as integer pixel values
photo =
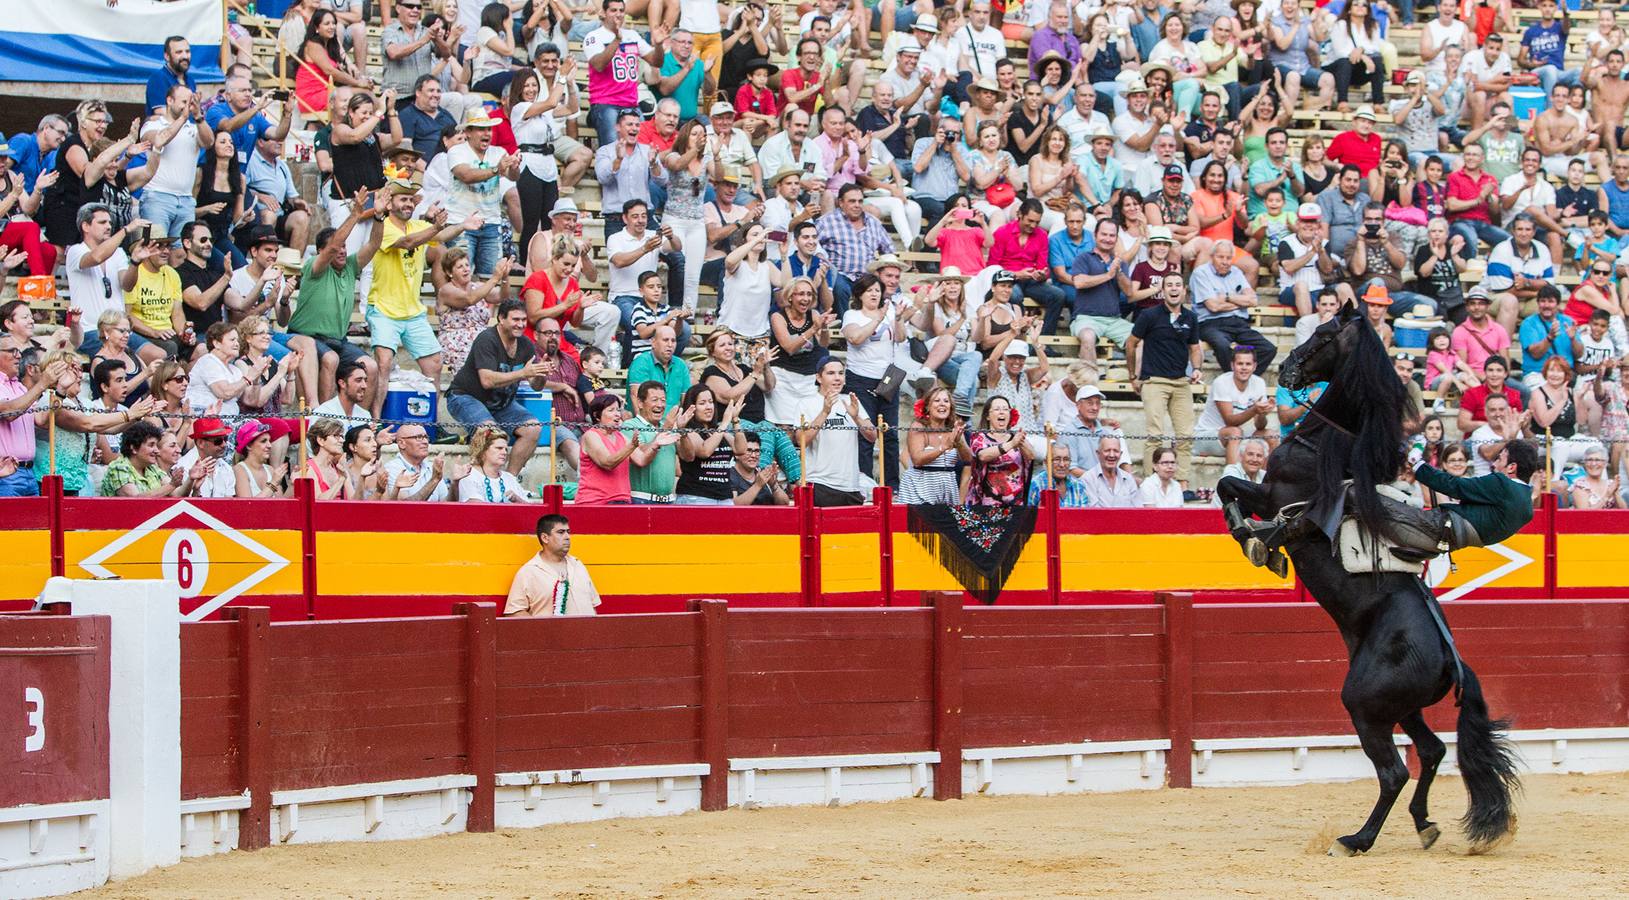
(1136, 86)
(757, 63)
(887, 260)
(1157, 67)
(290, 259)
(985, 84)
(247, 433)
(1160, 234)
(477, 117)
(564, 206)
(908, 45)
(153, 233)
(209, 428)
(1477, 293)
(782, 175)
(1422, 312)
(951, 273)
(403, 185)
(1100, 131)
(1364, 112)
(403, 149)
(928, 23)
(1377, 295)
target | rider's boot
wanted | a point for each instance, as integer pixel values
(1420, 534)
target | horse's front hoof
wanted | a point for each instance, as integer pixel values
(1340, 848)
(1256, 551)
(1429, 835)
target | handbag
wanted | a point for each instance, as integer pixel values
(892, 380)
(1000, 194)
(918, 347)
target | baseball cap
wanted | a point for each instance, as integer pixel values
(721, 108)
(1017, 348)
(1309, 212)
(1175, 171)
(1087, 393)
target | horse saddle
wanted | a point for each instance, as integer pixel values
(1362, 553)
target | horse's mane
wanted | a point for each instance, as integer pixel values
(1366, 398)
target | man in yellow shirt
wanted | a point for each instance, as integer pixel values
(152, 292)
(552, 582)
(396, 314)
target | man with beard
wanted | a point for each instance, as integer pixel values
(177, 70)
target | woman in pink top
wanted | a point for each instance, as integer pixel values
(604, 463)
(963, 237)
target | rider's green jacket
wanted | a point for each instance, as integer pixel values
(1496, 505)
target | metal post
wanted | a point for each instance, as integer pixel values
(803, 465)
(554, 457)
(304, 428)
(52, 438)
(882, 454)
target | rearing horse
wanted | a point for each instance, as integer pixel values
(1399, 660)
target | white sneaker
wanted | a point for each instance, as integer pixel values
(923, 381)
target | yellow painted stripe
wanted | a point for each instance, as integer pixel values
(384, 564)
(26, 563)
(1152, 562)
(915, 570)
(1590, 560)
(229, 563)
(851, 563)
(1474, 562)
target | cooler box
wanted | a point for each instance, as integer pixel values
(541, 405)
(1411, 334)
(411, 403)
(1528, 102)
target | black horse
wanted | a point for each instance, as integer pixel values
(1399, 660)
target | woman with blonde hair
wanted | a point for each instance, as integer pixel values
(113, 329)
(168, 386)
(270, 387)
(952, 334)
(75, 424)
(489, 480)
(801, 335)
(84, 175)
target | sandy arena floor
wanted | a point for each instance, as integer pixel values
(1201, 843)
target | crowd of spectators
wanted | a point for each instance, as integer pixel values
(809, 239)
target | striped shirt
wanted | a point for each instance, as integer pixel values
(848, 248)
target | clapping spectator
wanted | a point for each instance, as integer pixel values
(484, 390)
(751, 485)
(208, 462)
(603, 471)
(492, 472)
(464, 305)
(830, 426)
(708, 449)
(934, 449)
(1001, 457)
(1164, 353)
(268, 395)
(657, 429)
(137, 472)
(254, 476)
(326, 464)
(749, 282)
(412, 475)
(1594, 490)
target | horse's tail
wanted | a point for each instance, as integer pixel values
(1487, 762)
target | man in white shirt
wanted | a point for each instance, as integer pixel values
(478, 169)
(1134, 130)
(176, 133)
(936, 57)
(1445, 31)
(1081, 120)
(1503, 426)
(210, 437)
(734, 149)
(633, 251)
(792, 148)
(831, 439)
(1528, 191)
(411, 474)
(95, 266)
(349, 406)
(1148, 179)
(1488, 74)
(981, 45)
(1235, 401)
(1107, 484)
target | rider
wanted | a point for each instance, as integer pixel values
(1491, 507)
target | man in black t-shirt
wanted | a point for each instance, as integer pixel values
(1164, 355)
(203, 281)
(483, 391)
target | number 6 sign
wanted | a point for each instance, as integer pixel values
(185, 561)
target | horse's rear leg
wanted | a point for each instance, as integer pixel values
(1376, 737)
(1430, 749)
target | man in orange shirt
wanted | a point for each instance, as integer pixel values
(552, 582)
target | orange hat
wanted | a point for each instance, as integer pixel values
(1377, 295)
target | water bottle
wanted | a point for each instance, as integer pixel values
(252, 8)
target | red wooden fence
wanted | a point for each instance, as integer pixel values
(314, 704)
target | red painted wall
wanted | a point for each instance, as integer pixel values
(67, 661)
(377, 700)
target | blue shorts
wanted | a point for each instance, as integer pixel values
(472, 412)
(393, 334)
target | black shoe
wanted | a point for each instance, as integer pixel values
(1278, 563)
